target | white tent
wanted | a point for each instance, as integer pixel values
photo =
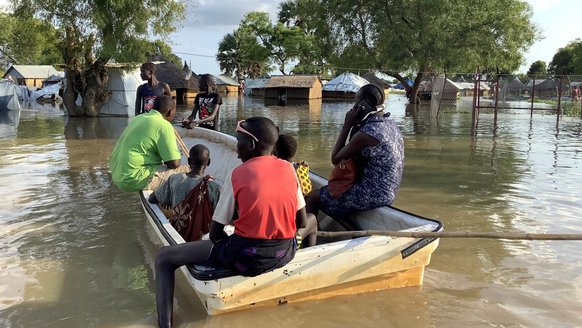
(9, 123)
(8, 96)
(347, 82)
(123, 86)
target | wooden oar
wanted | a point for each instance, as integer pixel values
(181, 143)
(446, 234)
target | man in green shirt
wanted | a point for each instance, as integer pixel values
(146, 143)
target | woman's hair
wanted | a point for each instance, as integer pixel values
(206, 83)
(372, 94)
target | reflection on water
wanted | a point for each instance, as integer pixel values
(75, 252)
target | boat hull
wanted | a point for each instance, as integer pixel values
(338, 268)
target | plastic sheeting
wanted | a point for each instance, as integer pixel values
(347, 82)
(9, 123)
(123, 86)
(50, 92)
(8, 96)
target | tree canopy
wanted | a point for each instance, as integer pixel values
(95, 32)
(537, 68)
(418, 36)
(27, 41)
(241, 55)
(567, 60)
(257, 43)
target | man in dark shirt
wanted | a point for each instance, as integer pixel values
(148, 92)
(206, 105)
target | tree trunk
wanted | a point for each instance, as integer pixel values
(91, 85)
(413, 98)
(71, 93)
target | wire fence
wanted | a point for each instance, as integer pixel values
(561, 95)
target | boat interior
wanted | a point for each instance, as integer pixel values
(223, 154)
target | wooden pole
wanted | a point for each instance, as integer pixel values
(446, 234)
(533, 91)
(181, 143)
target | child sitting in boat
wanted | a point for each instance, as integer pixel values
(285, 149)
(262, 199)
(191, 197)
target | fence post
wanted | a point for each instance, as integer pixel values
(533, 91)
(496, 101)
(559, 110)
(474, 113)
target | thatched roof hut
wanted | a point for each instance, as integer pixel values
(293, 87)
(182, 81)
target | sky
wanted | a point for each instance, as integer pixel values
(207, 21)
(212, 19)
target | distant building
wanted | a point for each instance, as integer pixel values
(549, 88)
(467, 89)
(255, 87)
(182, 81)
(511, 88)
(440, 88)
(380, 80)
(293, 87)
(30, 75)
(343, 87)
(225, 85)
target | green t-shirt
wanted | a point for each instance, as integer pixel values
(147, 142)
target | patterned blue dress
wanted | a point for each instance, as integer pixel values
(380, 178)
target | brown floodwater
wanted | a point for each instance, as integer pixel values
(74, 251)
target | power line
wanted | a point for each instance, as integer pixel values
(197, 55)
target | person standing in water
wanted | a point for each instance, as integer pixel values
(148, 92)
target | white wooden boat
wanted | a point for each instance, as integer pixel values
(333, 267)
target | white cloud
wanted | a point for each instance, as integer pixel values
(225, 14)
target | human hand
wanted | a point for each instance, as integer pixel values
(189, 123)
(352, 115)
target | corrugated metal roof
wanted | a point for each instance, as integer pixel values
(292, 81)
(529, 84)
(256, 83)
(470, 86)
(223, 80)
(35, 71)
(346, 82)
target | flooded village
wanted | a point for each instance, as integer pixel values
(490, 145)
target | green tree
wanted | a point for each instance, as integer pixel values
(241, 55)
(537, 68)
(310, 17)
(428, 36)
(567, 60)
(257, 42)
(94, 32)
(284, 43)
(27, 41)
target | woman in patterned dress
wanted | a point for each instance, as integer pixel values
(377, 145)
